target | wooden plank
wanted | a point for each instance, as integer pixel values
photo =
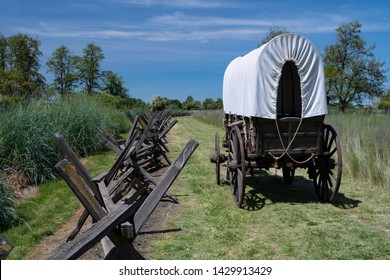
(159, 191)
(79, 225)
(76, 163)
(86, 240)
(82, 192)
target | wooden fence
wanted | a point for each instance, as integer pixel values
(121, 199)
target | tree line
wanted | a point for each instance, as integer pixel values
(352, 72)
(20, 78)
(20, 64)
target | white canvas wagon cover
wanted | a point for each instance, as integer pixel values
(250, 85)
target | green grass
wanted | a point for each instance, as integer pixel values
(26, 133)
(43, 215)
(365, 145)
(364, 140)
(277, 222)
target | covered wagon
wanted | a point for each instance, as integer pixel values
(275, 103)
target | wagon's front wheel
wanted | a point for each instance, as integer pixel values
(327, 177)
(236, 166)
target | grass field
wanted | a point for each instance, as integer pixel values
(277, 221)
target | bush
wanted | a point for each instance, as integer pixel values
(26, 133)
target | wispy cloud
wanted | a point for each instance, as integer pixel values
(307, 22)
(181, 3)
(179, 26)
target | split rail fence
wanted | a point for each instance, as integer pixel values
(121, 199)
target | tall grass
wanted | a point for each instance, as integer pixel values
(26, 133)
(212, 117)
(8, 215)
(365, 145)
(364, 140)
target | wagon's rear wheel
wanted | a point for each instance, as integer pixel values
(327, 177)
(236, 166)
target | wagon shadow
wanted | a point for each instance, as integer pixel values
(264, 189)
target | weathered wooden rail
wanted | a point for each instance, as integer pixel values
(121, 199)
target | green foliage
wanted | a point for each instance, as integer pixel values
(272, 33)
(89, 67)
(159, 103)
(63, 64)
(113, 84)
(26, 133)
(385, 101)
(210, 104)
(193, 105)
(8, 214)
(19, 67)
(352, 72)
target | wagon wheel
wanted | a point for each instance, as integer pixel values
(288, 175)
(236, 166)
(218, 159)
(327, 177)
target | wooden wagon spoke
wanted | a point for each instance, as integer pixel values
(332, 152)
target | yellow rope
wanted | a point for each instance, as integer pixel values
(285, 152)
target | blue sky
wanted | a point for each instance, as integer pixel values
(177, 48)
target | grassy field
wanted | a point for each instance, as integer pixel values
(277, 221)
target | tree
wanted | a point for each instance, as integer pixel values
(351, 70)
(113, 84)
(89, 67)
(192, 105)
(63, 65)
(174, 105)
(385, 101)
(159, 103)
(3, 52)
(20, 75)
(189, 99)
(272, 33)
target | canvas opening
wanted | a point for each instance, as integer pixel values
(289, 100)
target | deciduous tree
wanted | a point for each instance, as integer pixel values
(63, 64)
(20, 66)
(351, 69)
(114, 84)
(89, 67)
